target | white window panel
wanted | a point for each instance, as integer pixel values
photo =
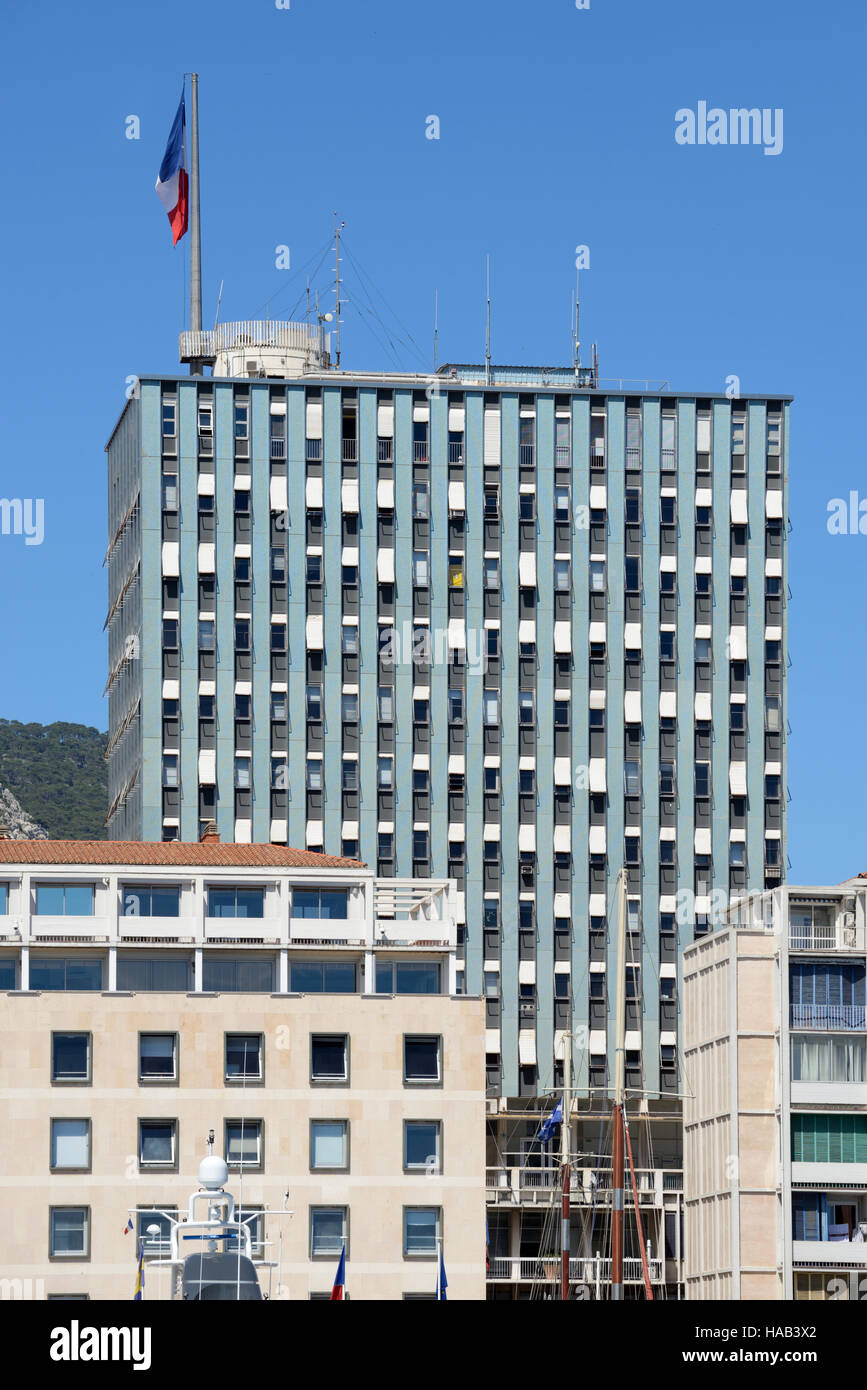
(526, 1047)
(773, 835)
(457, 498)
(597, 632)
(314, 633)
(526, 972)
(668, 971)
(349, 689)
(738, 565)
(774, 568)
(738, 644)
(668, 1039)
(207, 767)
(739, 507)
(527, 488)
(278, 407)
(738, 837)
(457, 635)
(209, 687)
(773, 634)
(456, 830)
(559, 1044)
(703, 630)
(702, 436)
(562, 637)
(597, 967)
(492, 437)
(243, 687)
(492, 1041)
(243, 552)
(456, 418)
(702, 841)
(527, 412)
(207, 557)
(385, 566)
(385, 827)
(562, 693)
(632, 706)
(457, 762)
(279, 499)
(279, 831)
(668, 492)
(421, 762)
(668, 704)
(491, 832)
(667, 832)
(598, 1042)
(668, 564)
(171, 690)
(562, 905)
(597, 699)
(562, 967)
(349, 555)
(527, 838)
(491, 622)
(527, 569)
(420, 414)
(703, 708)
(737, 699)
(667, 902)
(738, 779)
(633, 1040)
(172, 559)
(314, 420)
(492, 760)
(562, 839)
(596, 907)
(385, 421)
(205, 485)
(526, 763)
(703, 497)
(385, 494)
(632, 636)
(349, 830)
(243, 832)
(527, 630)
(703, 564)
(597, 839)
(243, 482)
(349, 498)
(773, 769)
(774, 503)
(597, 775)
(562, 772)
(314, 832)
(313, 493)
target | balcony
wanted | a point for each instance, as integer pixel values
(350, 450)
(136, 928)
(843, 1017)
(516, 1180)
(45, 929)
(326, 931)
(222, 929)
(582, 1270)
(412, 932)
(278, 448)
(829, 1252)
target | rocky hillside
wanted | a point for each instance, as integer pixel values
(16, 820)
(53, 780)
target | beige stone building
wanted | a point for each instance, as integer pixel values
(775, 1114)
(289, 1002)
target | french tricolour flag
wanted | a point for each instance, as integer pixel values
(339, 1279)
(172, 182)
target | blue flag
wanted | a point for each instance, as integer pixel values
(443, 1282)
(138, 1291)
(554, 1119)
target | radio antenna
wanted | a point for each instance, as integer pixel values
(488, 323)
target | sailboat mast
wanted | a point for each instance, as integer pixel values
(619, 1087)
(565, 1163)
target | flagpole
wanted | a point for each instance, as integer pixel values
(196, 363)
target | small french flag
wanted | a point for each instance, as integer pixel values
(339, 1279)
(128, 1227)
(172, 182)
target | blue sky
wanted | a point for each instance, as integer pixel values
(556, 129)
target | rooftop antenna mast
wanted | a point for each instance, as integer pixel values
(337, 283)
(196, 363)
(488, 324)
(576, 319)
(436, 323)
(219, 302)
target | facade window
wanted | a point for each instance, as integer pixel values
(385, 844)
(62, 973)
(241, 421)
(64, 900)
(456, 706)
(242, 773)
(407, 977)
(420, 569)
(562, 576)
(153, 975)
(491, 572)
(279, 633)
(329, 1058)
(242, 634)
(314, 569)
(422, 1146)
(422, 1059)
(170, 419)
(244, 1057)
(157, 1057)
(328, 1231)
(421, 1229)
(349, 635)
(70, 1057)
(562, 504)
(314, 703)
(420, 843)
(349, 775)
(70, 1145)
(69, 1233)
(349, 708)
(491, 707)
(420, 501)
(491, 914)
(632, 778)
(143, 900)
(528, 506)
(421, 711)
(492, 779)
(157, 1143)
(207, 635)
(222, 974)
(314, 774)
(245, 1148)
(154, 1244)
(170, 769)
(702, 649)
(385, 772)
(632, 573)
(323, 977)
(702, 779)
(279, 705)
(597, 576)
(329, 1145)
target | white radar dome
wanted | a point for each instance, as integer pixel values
(213, 1172)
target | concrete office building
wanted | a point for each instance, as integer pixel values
(506, 625)
(292, 1003)
(775, 1143)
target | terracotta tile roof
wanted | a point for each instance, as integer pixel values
(194, 855)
